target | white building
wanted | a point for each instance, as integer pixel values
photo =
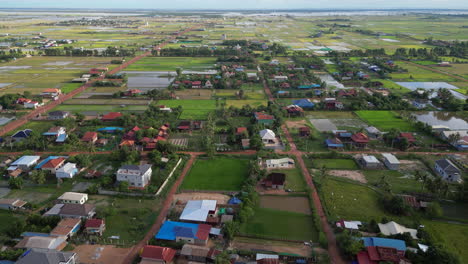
(24, 163)
(284, 163)
(370, 162)
(447, 170)
(392, 228)
(136, 175)
(73, 198)
(67, 171)
(280, 78)
(199, 210)
(268, 136)
(391, 161)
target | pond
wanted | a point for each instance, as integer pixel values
(149, 80)
(448, 119)
(433, 86)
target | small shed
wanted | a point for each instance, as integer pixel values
(391, 161)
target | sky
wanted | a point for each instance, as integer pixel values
(237, 4)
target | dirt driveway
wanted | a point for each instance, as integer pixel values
(100, 254)
(296, 124)
(185, 197)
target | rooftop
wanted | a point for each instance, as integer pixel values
(198, 210)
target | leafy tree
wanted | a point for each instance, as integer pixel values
(222, 258)
(395, 205)
(38, 176)
(349, 245)
(16, 183)
(230, 229)
(123, 186)
(11, 254)
(434, 210)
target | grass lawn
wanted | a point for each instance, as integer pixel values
(400, 183)
(38, 126)
(68, 87)
(100, 108)
(240, 103)
(172, 63)
(385, 120)
(418, 74)
(280, 224)
(192, 109)
(225, 174)
(344, 200)
(294, 179)
(339, 164)
(453, 236)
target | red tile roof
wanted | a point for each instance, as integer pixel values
(158, 253)
(363, 258)
(360, 138)
(203, 231)
(240, 130)
(53, 163)
(51, 90)
(111, 116)
(94, 223)
(263, 116)
(408, 136)
(89, 136)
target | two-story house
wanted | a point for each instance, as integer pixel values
(136, 175)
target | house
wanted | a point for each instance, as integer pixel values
(90, 137)
(67, 171)
(369, 162)
(294, 110)
(15, 173)
(304, 103)
(360, 140)
(73, 198)
(31, 104)
(22, 101)
(373, 132)
(12, 204)
(112, 116)
(447, 170)
(263, 118)
(342, 134)
(44, 242)
(413, 201)
(21, 135)
(284, 163)
(334, 143)
(280, 78)
(196, 84)
(241, 130)
(461, 143)
(52, 165)
(95, 227)
(184, 126)
(285, 85)
(24, 163)
(195, 253)
(46, 256)
(80, 80)
(252, 76)
(53, 93)
(59, 133)
(304, 131)
(268, 136)
(420, 104)
(267, 259)
(333, 104)
(109, 129)
(274, 180)
(391, 161)
(57, 115)
(392, 228)
(208, 84)
(347, 93)
(409, 137)
(381, 255)
(156, 254)
(351, 225)
(199, 210)
(67, 227)
(399, 245)
(84, 211)
(136, 175)
(190, 233)
(307, 87)
(133, 92)
(245, 142)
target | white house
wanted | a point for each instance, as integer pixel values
(392, 228)
(352, 225)
(391, 161)
(199, 210)
(67, 171)
(370, 162)
(31, 104)
(373, 132)
(268, 136)
(284, 163)
(280, 78)
(136, 175)
(447, 170)
(73, 198)
(24, 163)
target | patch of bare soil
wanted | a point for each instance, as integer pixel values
(349, 174)
(296, 124)
(411, 165)
(185, 197)
(296, 248)
(286, 203)
(100, 254)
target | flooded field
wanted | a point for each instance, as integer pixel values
(149, 80)
(447, 119)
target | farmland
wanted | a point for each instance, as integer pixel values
(172, 63)
(226, 174)
(385, 120)
(337, 164)
(192, 109)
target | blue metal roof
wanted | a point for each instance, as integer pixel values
(304, 103)
(104, 129)
(181, 231)
(170, 229)
(330, 143)
(384, 242)
(234, 200)
(30, 234)
(61, 138)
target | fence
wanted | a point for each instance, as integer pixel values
(168, 177)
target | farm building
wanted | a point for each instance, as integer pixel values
(156, 254)
(199, 210)
(284, 163)
(67, 227)
(57, 115)
(274, 180)
(24, 163)
(73, 198)
(267, 259)
(360, 140)
(263, 118)
(369, 162)
(392, 228)
(136, 175)
(191, 233)
(95, 226)
(342, 134)
(67, 171)
(304, 131)
(447, 170)
(12, 204)
(84, 211)
(351, 225)
(391, 161)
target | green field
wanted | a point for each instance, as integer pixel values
(418, 74)
(399, 182)
(385, 120)
(453, 236)
(294, 179)
(100, 108)
(172, 63)
(7, 219)
(226, 174)
(269, 223)
(240, 103)
(192, 109)
(338, 164)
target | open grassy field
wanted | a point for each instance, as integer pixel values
(392, 86)
(280, 224)
(418, 74)
(344, 200)
(38, 126)
(385, 120)
(336, 164)
(192, 109)
(100, 108)
(294, 179)
(399, 182)
(240, 103)
(453, 236)
(226, 174)
(172, 63)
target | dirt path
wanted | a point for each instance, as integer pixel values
(162, 214)
(438, 71)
